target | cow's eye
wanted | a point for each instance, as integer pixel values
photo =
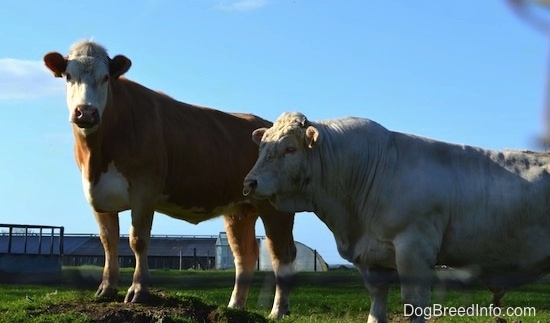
(290, 150)
(105, 79)
(68, 77)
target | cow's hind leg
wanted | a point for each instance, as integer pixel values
(109, 235)
(280, 242)
(241, 235)
(140, 235)
(498, 294)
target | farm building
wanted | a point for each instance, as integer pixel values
(19, 243)
(307, 259)
(165, 252)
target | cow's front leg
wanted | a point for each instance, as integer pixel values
(280, 242)
(109, 235)
(378, 281)
(241, 236)
(140, 234)
(415, 261)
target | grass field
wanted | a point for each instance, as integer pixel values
(191, 296)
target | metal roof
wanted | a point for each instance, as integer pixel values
(90, 245)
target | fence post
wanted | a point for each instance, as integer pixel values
(9, 239)
(25, 240)
(195, 258)
(61, 234)
(40, 241)
(315, 260)
(51, 241)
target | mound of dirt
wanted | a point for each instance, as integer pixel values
(161, 307)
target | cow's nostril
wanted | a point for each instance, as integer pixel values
(249, 186)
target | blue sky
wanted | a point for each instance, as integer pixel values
(466, 72)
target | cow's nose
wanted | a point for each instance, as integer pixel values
(85, 116)
(249, 186)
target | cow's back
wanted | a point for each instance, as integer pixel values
(202, 153)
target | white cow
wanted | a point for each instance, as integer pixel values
(399, 202)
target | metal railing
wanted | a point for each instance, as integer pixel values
(28, 232)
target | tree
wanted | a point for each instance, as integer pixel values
(526, 10)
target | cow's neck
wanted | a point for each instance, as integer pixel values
(346, 189)
(88, 151)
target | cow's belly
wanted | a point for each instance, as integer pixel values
(520, 250)
(199, 214)
(110, 193)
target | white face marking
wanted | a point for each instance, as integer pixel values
(87, 85)
(111, 191)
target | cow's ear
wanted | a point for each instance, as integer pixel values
(258, 134)
(119, 65)
(312, 134)
(56, 63)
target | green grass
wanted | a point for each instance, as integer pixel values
(335, 296)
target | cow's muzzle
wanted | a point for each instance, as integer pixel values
(249, 185)
(85, 116)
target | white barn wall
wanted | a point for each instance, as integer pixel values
(306, 258)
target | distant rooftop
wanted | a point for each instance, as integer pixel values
(90, 244)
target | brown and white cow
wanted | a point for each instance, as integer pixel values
(401, 203)
(143, 151)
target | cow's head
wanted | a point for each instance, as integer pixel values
(281, 173)
(88, 71)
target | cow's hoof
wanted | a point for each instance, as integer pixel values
(136, 297)
(277, 315)
(106, 294)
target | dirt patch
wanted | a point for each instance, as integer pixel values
(161, 307)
